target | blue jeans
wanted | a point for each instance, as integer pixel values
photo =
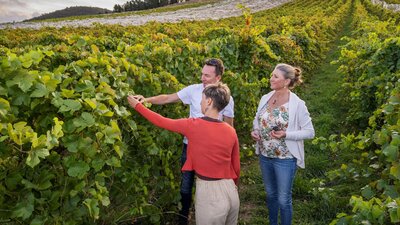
(186, 190)
(187, 176)
(278, 176)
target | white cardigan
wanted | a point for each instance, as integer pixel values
(299, 128)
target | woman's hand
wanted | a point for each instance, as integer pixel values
(140, 98)
(255, 135)
(133, 100)
(278, 134)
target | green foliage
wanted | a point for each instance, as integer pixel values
(71, 151)
(369, 62)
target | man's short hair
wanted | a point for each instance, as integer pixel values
(219, 93)
(218, 64)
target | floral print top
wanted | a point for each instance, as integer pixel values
(269, 119)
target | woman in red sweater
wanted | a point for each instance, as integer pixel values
(213, 154)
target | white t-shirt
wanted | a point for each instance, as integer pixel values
(191, 95)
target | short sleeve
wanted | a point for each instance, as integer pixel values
(228, 110)
(185, 94)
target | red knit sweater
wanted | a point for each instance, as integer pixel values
(213, 149)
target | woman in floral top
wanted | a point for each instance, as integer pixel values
(281, 124)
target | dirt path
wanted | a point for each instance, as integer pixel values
(224, 9)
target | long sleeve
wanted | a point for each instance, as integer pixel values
(236, 160)
(304, 124)
(179, 125)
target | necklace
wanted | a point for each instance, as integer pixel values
(282, 96)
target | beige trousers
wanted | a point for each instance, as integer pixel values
(217, 202)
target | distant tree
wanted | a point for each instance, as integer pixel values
(134, 5)
(118, 8)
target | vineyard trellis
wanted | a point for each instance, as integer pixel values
(72, 153)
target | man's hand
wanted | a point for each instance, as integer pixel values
(133, 100)
(228, 120)
(160, 99)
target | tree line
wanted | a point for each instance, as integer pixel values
(135, 5)
(71, 11)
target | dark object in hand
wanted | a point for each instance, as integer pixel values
(276, 128)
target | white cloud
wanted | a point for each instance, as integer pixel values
(17, 10)
(13, 10)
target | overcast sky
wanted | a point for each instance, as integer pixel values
(18, 10)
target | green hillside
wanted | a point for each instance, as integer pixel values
(70, 12)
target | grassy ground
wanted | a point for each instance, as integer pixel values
(311, 206)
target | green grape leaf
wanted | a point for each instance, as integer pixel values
(56, 130)
(388, 109)
(395, 140)
(24, 81)
(395, 99)
(36, 56)
(93, 207)
(113, 161)
(28, 184)
(51, 84)
(85, 146)
(153, 149)
(87, 120)
(95, 49)
(39, 220)
(4, 107)
(395, 171)
(34, 156)
(81, 42)
(391, 191)
(20, 133)
(118, 150)
(78, 169)
(367, 192)
(112, 133)
(394, 215)
(91, 102)
(21, 99)
(24, 208)
(105, 201)
(67, 93)
(132, 125)
(121, 111)
(26, 62)
(97, 164)
(377, 212)
(13, 180)
(87, 86)
(40, 91)
(391, 152)
(103, 110)
(48, 53)
(71, 142)
(2, 138)
(70, 106)
(78, 69)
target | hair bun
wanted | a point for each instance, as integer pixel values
(297, 76)
(297, 71)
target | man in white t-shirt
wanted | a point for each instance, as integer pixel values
(191, 95)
